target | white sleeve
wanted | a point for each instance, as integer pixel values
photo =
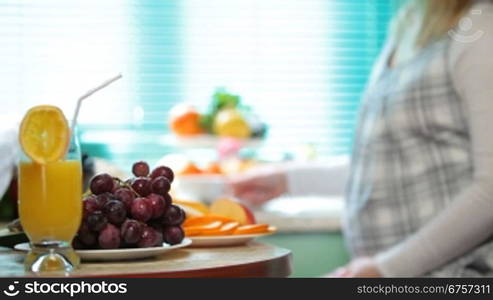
(468, 221)
(318, 178)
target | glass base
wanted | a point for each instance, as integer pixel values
(51, 257)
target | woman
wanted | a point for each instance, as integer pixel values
(420, 191)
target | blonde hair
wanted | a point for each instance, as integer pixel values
(434, 18)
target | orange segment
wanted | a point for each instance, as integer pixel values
(229, 228)
(226, 229)
(202, 229)
(252, 228)
(44, 134)
(192, 231)
(204, 220)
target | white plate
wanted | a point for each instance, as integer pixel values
(227, 240)
(119, 254)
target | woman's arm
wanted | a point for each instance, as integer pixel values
(261, 185)
(317, 178)
(468, 221)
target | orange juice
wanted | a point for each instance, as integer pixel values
(50, 205)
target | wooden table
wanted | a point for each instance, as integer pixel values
(252, 260)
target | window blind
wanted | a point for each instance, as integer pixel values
(301, 65)
(52, 51)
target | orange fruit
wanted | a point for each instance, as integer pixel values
(202, 229)
(190, 169)
(252, 228)
(44, 134)
(185, 120)
(204, 220)
(192, 231)
(213, 168)
(225, 229)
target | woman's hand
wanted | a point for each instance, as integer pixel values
(359, 267)
(259, 186)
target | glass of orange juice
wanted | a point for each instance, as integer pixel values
(50, 208)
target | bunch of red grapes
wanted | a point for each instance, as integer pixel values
(134, 213)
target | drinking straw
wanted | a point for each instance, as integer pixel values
(89, 93)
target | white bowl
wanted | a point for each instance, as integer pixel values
(205, 188)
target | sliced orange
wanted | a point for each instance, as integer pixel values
(225, 229)
(204, 220)
(252, 228)
(229, 228)
(192, 231)
(202, 229)
(44, 134)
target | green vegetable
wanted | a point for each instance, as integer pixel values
(222, 99)
(206, 122)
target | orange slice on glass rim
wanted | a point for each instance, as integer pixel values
(44, 134)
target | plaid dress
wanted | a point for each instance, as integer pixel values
(412, 156)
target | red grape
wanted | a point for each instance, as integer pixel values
(126, 196)
(160, 185)
(89, 197)
(77, 243)
(137, 212)
(141, 210)
(87, 237)
(109, 237)
(140, 169)
(156, 224)
(167, 200)
(131, 231)
(103, 198)
(173, 235)
(90, 205)
(116, 185)
(96, 221)
(150, 238)
(157, 204)
(163, 171)
(174, 215)
(142, 186)
(102, 183)
(159, 238)
(115, 212)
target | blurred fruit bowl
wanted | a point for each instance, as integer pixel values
(203, 182)
(226, 116)
(202, 187)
